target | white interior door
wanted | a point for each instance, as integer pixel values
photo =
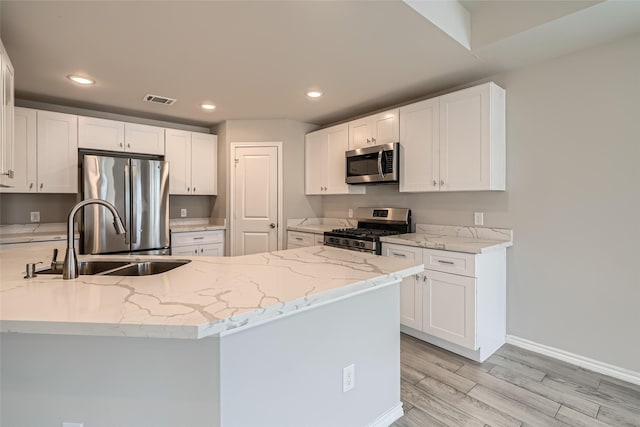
(255, 207)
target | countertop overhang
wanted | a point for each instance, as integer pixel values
(207, 297)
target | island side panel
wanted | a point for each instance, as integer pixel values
(108, 381)
(289, 372)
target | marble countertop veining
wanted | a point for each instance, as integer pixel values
(35, 232)
(181, 225)
(204, 298)
(473, 240)
(320, 225)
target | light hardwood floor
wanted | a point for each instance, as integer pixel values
(514, 387)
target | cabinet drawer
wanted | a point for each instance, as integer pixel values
(450, 262)
(300, 239)
(196, 237)
(408, 253)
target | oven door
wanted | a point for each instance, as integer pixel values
(377, 164)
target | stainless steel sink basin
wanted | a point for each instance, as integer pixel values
(121, 268)
(147, 268)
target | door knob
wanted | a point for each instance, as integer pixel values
(272, 225)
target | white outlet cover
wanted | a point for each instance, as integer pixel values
(478, 218)
(350, 213)
(35, 216)
(348, 378)
(183, 213)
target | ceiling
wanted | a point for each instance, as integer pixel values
(257, 59)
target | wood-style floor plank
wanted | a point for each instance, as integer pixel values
(577, 419)
(570, 400)
(515, 387)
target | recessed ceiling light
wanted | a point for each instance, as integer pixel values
(314, 94)
(80, 80)
(208, 106)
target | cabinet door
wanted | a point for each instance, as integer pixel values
(143, 139)
(25, 153)
(385, 127)
(100, 134)
(178, 154)
(185, 250)
(449, 308)
(337, 144)
(410, 287)
(7, 151)
(204, 163)
(315, 162)
(57, 142)
(465, 139)
(419, 146)
(360, 133)
(212, 249)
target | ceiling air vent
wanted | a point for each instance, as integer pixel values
(159, 99)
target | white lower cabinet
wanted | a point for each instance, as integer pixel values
(299, 239)
(458, 302)
(198, 243)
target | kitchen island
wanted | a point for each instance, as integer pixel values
(258, 340)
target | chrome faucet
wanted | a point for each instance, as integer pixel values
(70, 264)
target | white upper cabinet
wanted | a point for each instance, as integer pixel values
(25, 154)
(100, 134)
(204, 163)
(112, 135)
(325, 164)
(143, 139)
(7, 144)
(193, 162)
(380, 128)
(420, 146)
(57, 146)
(455, 142)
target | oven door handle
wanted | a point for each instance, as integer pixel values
(380, 163)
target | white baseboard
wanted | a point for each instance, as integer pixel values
(389, 417)
(576, 359)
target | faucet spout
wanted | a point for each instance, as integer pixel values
(70, 265)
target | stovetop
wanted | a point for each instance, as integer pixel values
(362, 233)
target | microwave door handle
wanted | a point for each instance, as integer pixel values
(380, 164)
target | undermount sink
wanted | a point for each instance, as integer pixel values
(121, 268)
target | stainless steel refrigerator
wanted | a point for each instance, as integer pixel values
(139, 189)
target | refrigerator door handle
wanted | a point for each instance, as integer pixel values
(134, 199)
(127, 213)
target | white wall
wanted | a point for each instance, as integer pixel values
(573, 200)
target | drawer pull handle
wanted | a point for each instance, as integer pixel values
(198, 238)
(446, 262)
(397, 254)
(298, 238)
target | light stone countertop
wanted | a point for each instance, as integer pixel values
(182, 225)
(204, 298)
(320, 225)
(474, 240)
(35, 232)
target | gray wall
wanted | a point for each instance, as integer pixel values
(16, 208)
(291, 133)
(573, 200)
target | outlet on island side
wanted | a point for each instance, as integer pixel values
(350, 213)
(478, 218)
(183, 213)
(35, 216)
(348, 378)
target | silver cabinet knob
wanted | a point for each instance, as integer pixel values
(120, 145)
(435, 182)
(272, 225)
(30, 185)
(41, 185)
(373, 140)
(368, 141)
(128, 145)
(441, 182)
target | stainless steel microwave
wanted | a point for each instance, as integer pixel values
(377, 164)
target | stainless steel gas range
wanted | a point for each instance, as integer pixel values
(373, 223)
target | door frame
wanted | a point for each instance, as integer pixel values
(232, 190)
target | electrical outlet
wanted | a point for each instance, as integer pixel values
(348, 378)
(350, 213)
(35, 216)
(183, 213)
(478, 218)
